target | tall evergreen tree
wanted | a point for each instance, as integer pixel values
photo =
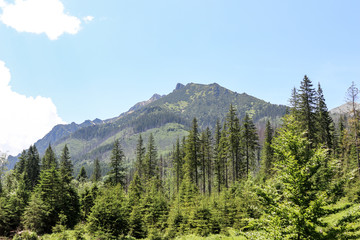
(32, 167)
(96, 176)
(117, 164)
(250, 143)
(267, 152)
(222, 161)
(151, 159)
(49, 159)
(294, 102)
(209, 156)
(20, 165)
(295, 212)
(218, 172)
(192, 149)
(233, 132)
(324, 123)
(140, 157)
(307, 106)
(82, 176)
(66, 167)
(178, 163)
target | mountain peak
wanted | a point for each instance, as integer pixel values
(179, 86)
(155, 97)
(144, 103)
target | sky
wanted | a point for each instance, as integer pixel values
(64, 61)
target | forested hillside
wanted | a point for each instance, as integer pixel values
(218, 180)
(166, 117)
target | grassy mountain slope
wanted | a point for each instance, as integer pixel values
(167, 117)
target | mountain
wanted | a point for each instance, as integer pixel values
(166, 117)
(343, 110)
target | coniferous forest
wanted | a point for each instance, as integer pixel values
(301, 182)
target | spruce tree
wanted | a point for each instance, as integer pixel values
(82, 176)
(117, 164)
(267, 152)
(96, 176)
(49, 159)
(151, 159)
(20, 165)
(233, 132)
(66, 167)
(250, 143)
(296, 211)
(140, 157)
(294, 103)
(32, 167)
(192, 151)
(209, 156)
(324, 123)
(306, 111)
(222, 161)
(217, 161)
(178, 164)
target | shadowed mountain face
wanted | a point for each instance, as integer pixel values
(166, 117)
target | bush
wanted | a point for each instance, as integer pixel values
(26, 235)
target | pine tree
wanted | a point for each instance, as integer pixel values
(222, 161)
(96, 176)
(250, 143)
(20, 165)
(295, 212)
(192, 148)
(151, 159)
(140, 157)
(117, 165)
(307, 106)
(137, 228)
(66, 167)
(294, 102)
(82, 176)
(49, 159)
(324, 122)
(233, 132)
(267, 152)
(218, 171)
(32, 167)
(178, 164)
(109, 213)
(209, 155)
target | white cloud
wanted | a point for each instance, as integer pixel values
(39, 16)
(2, 3)
(88, 19)
(23, 119)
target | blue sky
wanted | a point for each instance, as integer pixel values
(117, 53)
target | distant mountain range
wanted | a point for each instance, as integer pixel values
(167, 117)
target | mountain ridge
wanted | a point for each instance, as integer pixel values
(167, 117)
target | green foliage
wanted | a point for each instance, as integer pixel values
(96, 176)
(117, 165)
(49, 159)
(51, 198)
(66, 167)
(110, 213)
(26, 235)
(82, 176)
(267, 153)
(295, 211)
(151, 160)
